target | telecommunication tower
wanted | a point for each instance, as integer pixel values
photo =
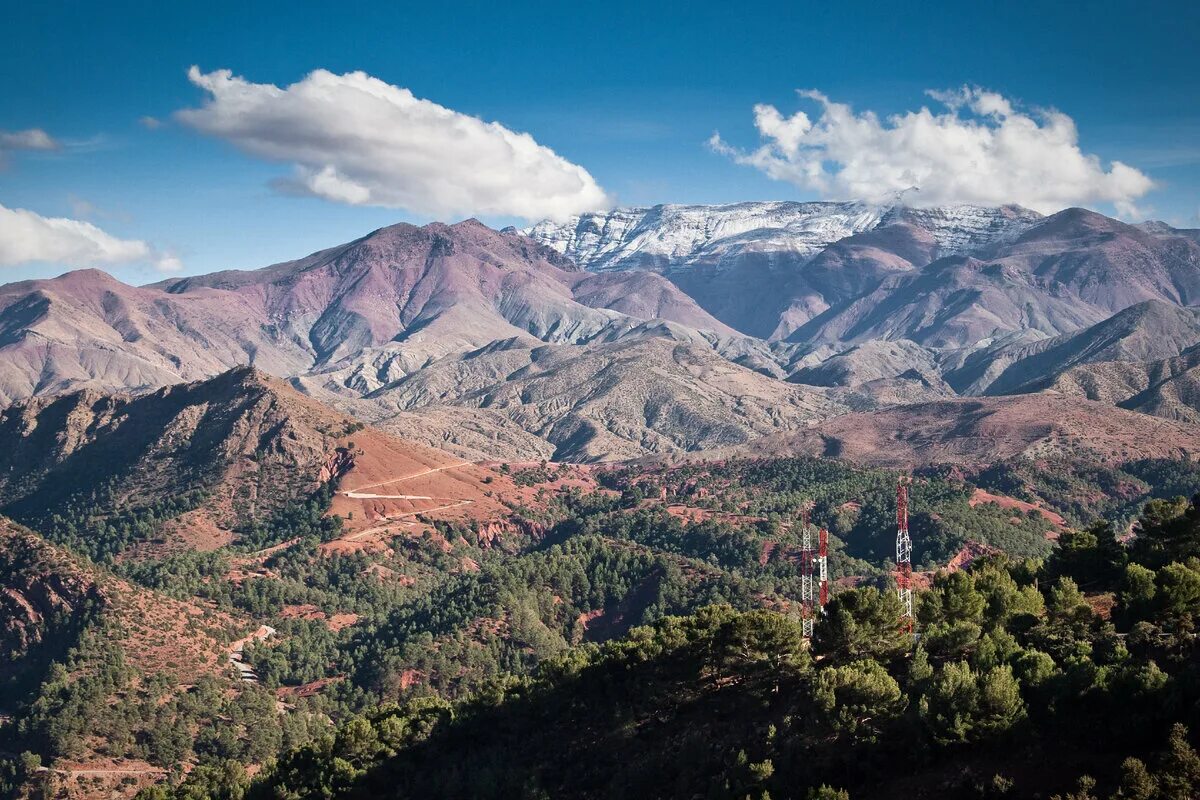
(903, 554)
(807, 562)
(814, 572)
(822, 569)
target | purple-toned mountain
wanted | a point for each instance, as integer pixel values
(767, 268)
(840, 274)
(394, 300)
(1068, 271)
(627, 333)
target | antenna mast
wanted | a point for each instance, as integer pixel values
(823, 569)
(903, 554)
(807, 553)
(814, 572)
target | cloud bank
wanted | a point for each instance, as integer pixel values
(980, 149)
(27, 237)
(355, 139)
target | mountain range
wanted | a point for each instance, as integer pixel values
(653, 330)
(240, 509)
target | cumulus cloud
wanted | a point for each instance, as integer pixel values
(355, 139)
(26, 237)
(979, 148)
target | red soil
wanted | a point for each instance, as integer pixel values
(980, 496)
(285, 693)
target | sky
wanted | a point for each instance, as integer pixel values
(159, 139)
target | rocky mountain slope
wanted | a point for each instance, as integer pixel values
(1166, 388)
(421, 293)
(838, 273)
(749, 263)
(1068, 271)
(676, 336)
(87, 329)
(615, 400)
(982, 431)
(196, 465)
(1149, 331)
(389, 303)
(49, 597)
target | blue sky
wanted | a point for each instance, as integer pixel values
(629, 92)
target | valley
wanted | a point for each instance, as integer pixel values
(369, 571)
(443, 480)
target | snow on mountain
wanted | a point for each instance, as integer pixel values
(667, 237)
(962, 230)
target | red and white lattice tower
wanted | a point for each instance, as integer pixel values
(807, 584)
(903, 554)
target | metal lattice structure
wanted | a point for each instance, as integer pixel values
(807, 562)
(822, 569)
(903, 554)
(814, 572)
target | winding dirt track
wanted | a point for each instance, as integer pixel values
(95, 772)
(460, 465)
(358, 493)
(392, 519)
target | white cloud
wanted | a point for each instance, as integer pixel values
(29, 139)
(27, 237)
(150, 123)
(167, 262)
(982, 149)
(355, 139)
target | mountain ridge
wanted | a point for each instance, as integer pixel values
(844, 273)
(857, 307)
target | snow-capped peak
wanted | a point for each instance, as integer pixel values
(671, 236)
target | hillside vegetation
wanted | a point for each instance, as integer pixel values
(241, 587)
(1019, 686)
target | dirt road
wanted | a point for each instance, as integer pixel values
(431, 470)
(396, 518)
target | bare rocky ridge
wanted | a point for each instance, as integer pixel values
(677, 336)
(249, 443)
(846, 273)
(981, 431)
(1148, 331)
(87, 329)
(872, 361)
(423, 293)
(391, 301)
(1167, 388)
(616, 400)
(1067, 272)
